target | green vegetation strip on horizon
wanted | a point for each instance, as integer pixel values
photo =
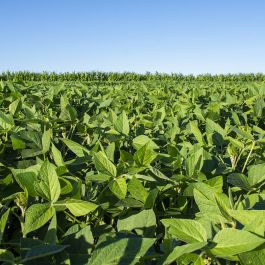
(128, 76)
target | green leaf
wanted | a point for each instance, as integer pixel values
(42, 251)
(248, 218)
(197, 133)
(191, 258)
(80, 241)
(17, 143)
(51, 235)
(189, 231)
(122, 124)
(79, 207)
(104, 165)
(159, 174)
(26, 178)
(180, 250)
(239, 180)
(256, 174)
(208, 206)
(216, 183)
(110, 150)
(212, 127)
(243, 133)
(6, 121)
(3, 222)
(57, 156)
(145, 155)
(121, 251)
(37, 215)
(76, 148)
(15, 106)
(223, 204)
(194, 162)
(256, 256)
(7, 256)
(68, 113)
(143, 223)
(105, 103)
(119, 187)
(142, 140)
(137, 190)
(231, 242)
(151, 198)
(46, 140)
(48, 186)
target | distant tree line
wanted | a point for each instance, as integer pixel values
(125, 76)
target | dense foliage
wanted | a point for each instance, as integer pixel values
(132, 173)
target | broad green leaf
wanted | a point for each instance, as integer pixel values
(104, 165)
(7, 256)
(26, 178)
(119, 187)
(194, 162)
(256, 174)
(57, 156)
(121, 251)
(68, 113)
(159, 174)
(51, 235)
(251, 201)
(137, 190)
(256, 256)
(208, 206)
(48, 186)
(180, 250)
(145, 155)
(216, 183)
(197, 133)
(3, 222)
(239, 180)
(46, 140)
(235, 142)
(105, 103)
(15, 106)
(143, 223)
(110, 150)
(122, 124)
(231, 242)
(243, 133)
(160, 114)
(66, 186)
(142, 140)
(151, 198)
(41, 251)
(191, 258)
(189, 231)
(223, 204)
(37, 215)
(212, 126)
(248, 218)
(79, 240)
(6, 121)
(80, 207)
(76, 148)
(17, 143)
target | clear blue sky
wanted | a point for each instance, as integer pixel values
(183, 36)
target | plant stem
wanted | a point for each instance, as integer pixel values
(249, 154)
